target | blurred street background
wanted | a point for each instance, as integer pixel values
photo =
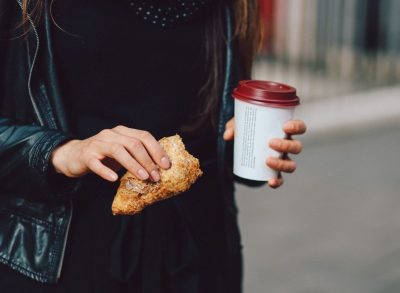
(335, 224)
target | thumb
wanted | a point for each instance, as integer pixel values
(229, 133)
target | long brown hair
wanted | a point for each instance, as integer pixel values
(247, 39)
(247, 35)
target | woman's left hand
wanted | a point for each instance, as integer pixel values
(286, 146)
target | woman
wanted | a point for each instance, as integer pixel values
(84, 94)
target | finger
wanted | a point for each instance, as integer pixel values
(287, 166)
(275, 183)
(151, 144)
(122, 156)
(230, 123)
(286, 145)
(294, 127)
(138, 151)
(104, 172)
(229, 134)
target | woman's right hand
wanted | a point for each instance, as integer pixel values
(110, 150)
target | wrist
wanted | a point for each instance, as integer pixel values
(59, 156)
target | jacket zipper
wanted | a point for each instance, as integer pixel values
(42, 123)
(35, 107)
(65, 242)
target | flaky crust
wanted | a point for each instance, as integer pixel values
(133, 195)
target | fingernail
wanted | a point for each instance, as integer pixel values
(165, 162)
(272, 160)
(274, 142)
(113, 176)
(155, 175)
(143, 174)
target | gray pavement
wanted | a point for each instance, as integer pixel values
(334, 227)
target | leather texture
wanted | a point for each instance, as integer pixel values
(35, 203)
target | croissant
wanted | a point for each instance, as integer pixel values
(133, 194)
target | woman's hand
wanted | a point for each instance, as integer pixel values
(285, 146)
(109, 150)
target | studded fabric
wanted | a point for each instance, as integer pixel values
(168, 13)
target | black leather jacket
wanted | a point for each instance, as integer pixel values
(35, 204)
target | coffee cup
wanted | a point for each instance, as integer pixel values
(261, 109)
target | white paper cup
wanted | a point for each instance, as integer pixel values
(261, 109)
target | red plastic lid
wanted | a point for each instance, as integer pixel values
(266, 93)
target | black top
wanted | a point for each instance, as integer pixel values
(117, 68)
(129, 72)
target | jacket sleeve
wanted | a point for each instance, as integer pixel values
(25, 149)
(25, 170)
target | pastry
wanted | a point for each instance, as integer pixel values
(133, 194)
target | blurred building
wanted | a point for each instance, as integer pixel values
(330, 48)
